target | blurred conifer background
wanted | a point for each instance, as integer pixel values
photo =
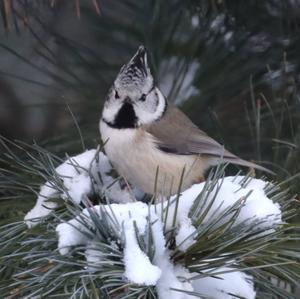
(232, 66)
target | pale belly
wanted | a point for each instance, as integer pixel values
(135, 157)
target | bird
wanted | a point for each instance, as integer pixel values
(151, 143)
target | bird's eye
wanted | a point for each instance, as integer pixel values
(143, 98)
(116, 95)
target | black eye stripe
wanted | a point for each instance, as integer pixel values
(143, 98)
(116, 95)
(153, 86)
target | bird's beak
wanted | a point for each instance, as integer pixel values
(128, 100)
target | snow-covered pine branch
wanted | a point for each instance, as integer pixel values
(160, 245)
(81, 175)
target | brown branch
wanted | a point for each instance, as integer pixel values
(6, 10)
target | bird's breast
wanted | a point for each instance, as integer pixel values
(134, 154)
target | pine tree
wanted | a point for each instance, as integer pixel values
(229, 72)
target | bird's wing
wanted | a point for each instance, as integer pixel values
(176, 133)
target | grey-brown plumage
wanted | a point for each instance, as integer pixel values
(149, 141)
(176, 133)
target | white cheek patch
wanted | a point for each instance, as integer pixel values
(111, 109)
(146, 116)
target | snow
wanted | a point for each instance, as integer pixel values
(169, 272)
(43, 206)
(195, 21)
(128, 219)
(168, 75)
(138, 267)
(183, 222)
(161, 271)
(229, 191)
(229, 285)
(71, 234)
(169, 282)
(183, 239)
(257, 206)
(74, 173)
(93, 255)
(78, 174)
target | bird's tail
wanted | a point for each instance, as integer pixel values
(239, 161)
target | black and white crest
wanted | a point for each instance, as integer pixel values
(133, 99)
(136, 73)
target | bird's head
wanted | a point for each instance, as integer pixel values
(134, 100)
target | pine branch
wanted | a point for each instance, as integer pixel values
(30, 262)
